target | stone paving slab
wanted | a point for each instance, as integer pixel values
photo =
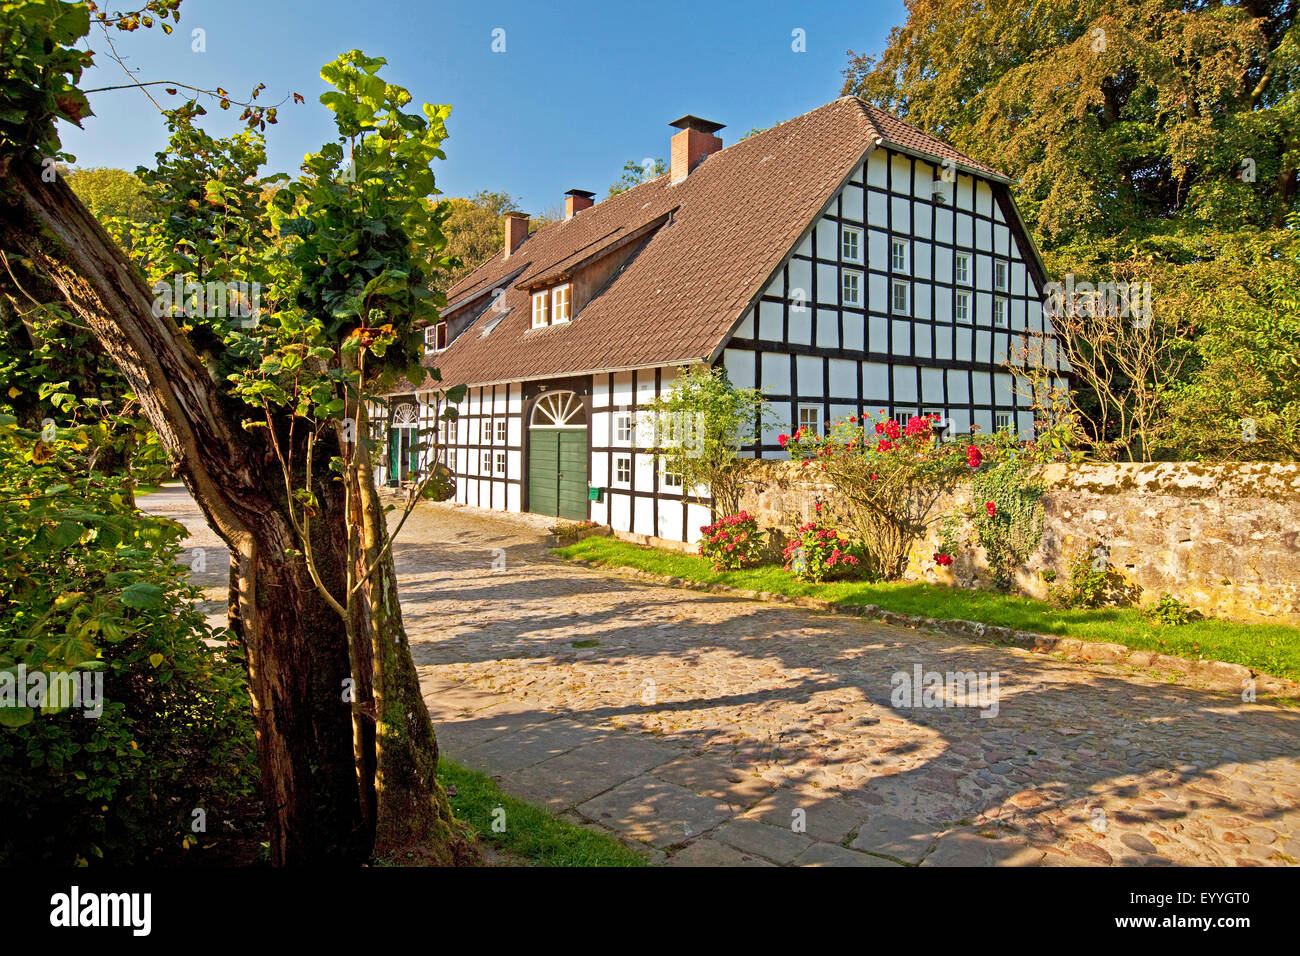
(582, 773)
(901, 838)
(523, 748)
(655, 812)
(828, 854)
(975, 848)
(772, 843)
(823, 817)
(706, 852)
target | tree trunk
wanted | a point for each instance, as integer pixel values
(413, 815)
(296, 645)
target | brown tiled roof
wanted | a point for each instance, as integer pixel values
(732, 222)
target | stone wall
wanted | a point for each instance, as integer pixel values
(1224, 539)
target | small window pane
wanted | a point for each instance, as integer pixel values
(851, 244)
(898, 255)
(560, 304)
(810, 418)
(851, 288)
(899, 298)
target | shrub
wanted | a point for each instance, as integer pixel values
(1093, 583)
(818, 553)
(1008, 512)
(733, 542)
(87, 583)
(888, 478)
(1171, 611)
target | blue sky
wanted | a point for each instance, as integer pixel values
(580, 88)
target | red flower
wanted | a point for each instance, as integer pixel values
(991, 508)
(783, 439)
(974, 457)
(942, 559)
(819, 506)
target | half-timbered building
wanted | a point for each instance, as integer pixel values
(844, 262)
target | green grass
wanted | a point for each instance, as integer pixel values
(530, 832)
(1271, 648)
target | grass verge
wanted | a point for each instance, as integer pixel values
(1271, 648)
(530, 832)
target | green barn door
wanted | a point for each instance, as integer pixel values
(573, 474)
(557, 457)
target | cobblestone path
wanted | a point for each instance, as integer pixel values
(706, 729)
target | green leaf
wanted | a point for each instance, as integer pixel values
(142, 595)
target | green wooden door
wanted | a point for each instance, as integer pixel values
(557, 472)
(403, 458)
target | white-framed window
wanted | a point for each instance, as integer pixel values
(623, 470)
(449, 430)
(810, 418)
(1001, 421)
(850, 244)
(449, 456)
(503, 425)
(851, 287)
(560, 304)
(903, 417)
(999, 311)
(670, 479)
(501, 463)
(898, 255)
(487, 463)
(963, 267)
(541, 313)
(999, 275)
(623, 427)
(485, 432)
(961, 307)
(899, 294)
(435, 337)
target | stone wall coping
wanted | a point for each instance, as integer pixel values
(1179, 479)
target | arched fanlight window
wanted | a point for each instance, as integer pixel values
(559, 410)
(405, 414)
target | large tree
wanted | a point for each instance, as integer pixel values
(320, 764)
(1112, 116)
(1158, 141)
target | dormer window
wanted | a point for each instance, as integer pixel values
(551, 306)
(435, 337)
(560, 303)
(541, 309)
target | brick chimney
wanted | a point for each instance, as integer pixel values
(576, 200)
(516, 231)
(691, 145)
